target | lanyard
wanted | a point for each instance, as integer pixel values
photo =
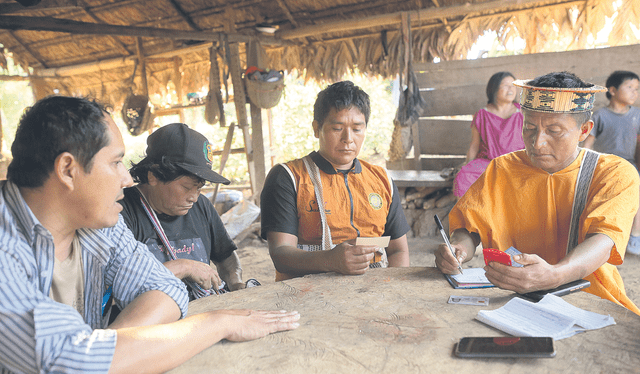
(197, 290)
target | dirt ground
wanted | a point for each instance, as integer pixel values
(256, 263)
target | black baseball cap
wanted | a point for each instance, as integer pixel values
(186, 148)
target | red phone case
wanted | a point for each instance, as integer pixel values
(492, 254)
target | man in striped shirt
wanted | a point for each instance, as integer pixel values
(63, 243)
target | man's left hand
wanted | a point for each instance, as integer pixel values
(537, 274)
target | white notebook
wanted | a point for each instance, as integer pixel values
(550, 316)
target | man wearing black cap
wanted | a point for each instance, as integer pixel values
(170, 177)
(63, 243)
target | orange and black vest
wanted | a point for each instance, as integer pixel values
(357, 202)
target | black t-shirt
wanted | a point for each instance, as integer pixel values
(279, 208)
(199, 235)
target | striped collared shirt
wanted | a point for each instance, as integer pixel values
(38, 334)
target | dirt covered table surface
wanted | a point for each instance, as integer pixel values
(398, 320)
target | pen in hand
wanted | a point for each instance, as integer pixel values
(446, 240)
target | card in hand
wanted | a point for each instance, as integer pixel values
(492, 254)
(506, 257)
(468, 300)
(511, 251)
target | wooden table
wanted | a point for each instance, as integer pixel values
(398, 320)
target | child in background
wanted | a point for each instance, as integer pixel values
(616, 130)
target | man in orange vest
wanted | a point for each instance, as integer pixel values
(314, 208)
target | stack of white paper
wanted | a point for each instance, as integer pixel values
(550, 316)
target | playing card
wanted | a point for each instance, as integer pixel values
(512, 252)
(382, 242)
(469, 300)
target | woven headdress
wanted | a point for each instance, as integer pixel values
(557, 100)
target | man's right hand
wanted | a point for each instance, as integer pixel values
(445, 260)
(243, 325)
(195, 271)
(348, 258)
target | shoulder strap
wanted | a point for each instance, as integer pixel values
(389, 179)
(583, 182)
(293, 179)
(314, 173)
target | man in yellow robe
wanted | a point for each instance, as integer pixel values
(525, 199)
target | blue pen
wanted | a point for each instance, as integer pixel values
(446, 240)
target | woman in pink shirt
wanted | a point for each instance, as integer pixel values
(496, 130)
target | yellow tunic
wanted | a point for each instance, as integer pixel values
(516, 204)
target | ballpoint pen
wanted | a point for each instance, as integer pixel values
(446, 240)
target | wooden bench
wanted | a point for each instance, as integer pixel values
(437, 144)
(418, 178)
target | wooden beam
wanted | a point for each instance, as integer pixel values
(114, 63)
(418, 15)
(287, 13)
(27, 49)
(143, 66)
(6, 8)
(77, 27)
(184, 15)
(116, 41)
(6, 78)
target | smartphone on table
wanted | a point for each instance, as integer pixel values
(565, 289)
(506, 347)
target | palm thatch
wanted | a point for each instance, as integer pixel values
(358, 35)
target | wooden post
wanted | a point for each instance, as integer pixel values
(214, 84)
(143, 67)
(239, 97)
(271, 142)
(256, 57)
(407, 70)
(1, 136)
(223, 159)
(143, 71)
(177, 81)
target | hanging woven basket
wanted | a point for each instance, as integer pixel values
(263, 94)
(136, 114)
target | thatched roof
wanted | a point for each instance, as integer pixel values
(89, 47)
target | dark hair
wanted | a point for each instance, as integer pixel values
(494, 84)
(341, 95)
(54, 125)
(618, 77)
(165, 171)
(564, 79)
